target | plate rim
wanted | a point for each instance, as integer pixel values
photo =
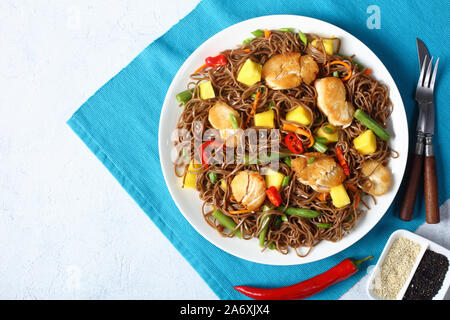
(169, 95)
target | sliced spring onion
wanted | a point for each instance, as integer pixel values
(258, 33)
(303, 37)
(247, 41)
(286, 29)
(311, 160)
(372, 124)
(226, 221)
(320, 147)
(212, 177)
(234, 122)
(285, 182)
(271, 104)
(184, 96)
(336, 74)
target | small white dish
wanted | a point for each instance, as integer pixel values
(424, 244)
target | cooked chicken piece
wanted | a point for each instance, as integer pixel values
(220, 118)
(282, 71)
(320, 173)
(249, 188)
(331, 101)
(308, 69)
(378, 178)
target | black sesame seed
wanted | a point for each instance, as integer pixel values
(428, 278)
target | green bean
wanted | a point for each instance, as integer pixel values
(263, 233)
(226, 221)
(285, 182)
(184, 96)
(320, 147)
(288, 162)
(303, 37)
(304, 213)
(372, 124)
(265, 159)
(234, 122)
(323, 225)
(280, 219)
(321, 139)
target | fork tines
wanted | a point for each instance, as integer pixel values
(424, 79)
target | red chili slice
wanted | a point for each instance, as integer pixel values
(216, 61)
(342, 162)
(212, 143)
(274, 196)
(293, 143)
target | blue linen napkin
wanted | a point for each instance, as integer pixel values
(119, 124)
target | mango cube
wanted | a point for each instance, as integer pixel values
(328, 45)
(206, 90)
(274, 178)
(366, 142)
(265, 119)
(250, 73)
(300, 115)
(328, 132)
(339, 196)
(191, 177)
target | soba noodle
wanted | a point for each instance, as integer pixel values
(363, 91)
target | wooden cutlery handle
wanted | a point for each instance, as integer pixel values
(431, 191)
(413, 178)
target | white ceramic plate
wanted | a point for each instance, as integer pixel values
(187, 199)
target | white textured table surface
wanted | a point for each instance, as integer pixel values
(67, 228)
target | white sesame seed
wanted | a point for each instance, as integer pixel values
(396, 268)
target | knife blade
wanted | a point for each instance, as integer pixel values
(422, 51)
(425, 120)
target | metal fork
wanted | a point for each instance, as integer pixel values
(425, 131)
(425, 96)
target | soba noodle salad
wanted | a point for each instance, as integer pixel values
(284, 139)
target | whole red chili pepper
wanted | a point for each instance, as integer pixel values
(308, 287)
(216, 61)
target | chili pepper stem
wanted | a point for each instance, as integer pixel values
(356, 263)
